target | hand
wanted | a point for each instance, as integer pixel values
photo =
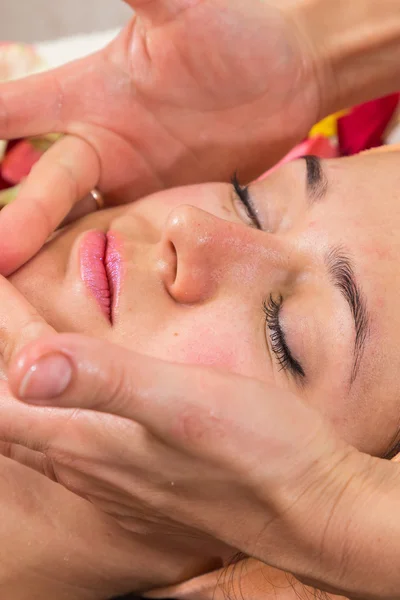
(182, 450)
(149, 553)
(190, 91)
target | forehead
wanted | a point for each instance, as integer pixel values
(370, 182)
(362, 212)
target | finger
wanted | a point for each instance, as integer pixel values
(20, 323)
(62, 177)
(29, 106)
(84, 207)
(171, 401)
(41, 103)
(24, 456)
(37, 436)
(189, 408)
(27, 432)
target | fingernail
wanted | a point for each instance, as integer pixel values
(46, 379)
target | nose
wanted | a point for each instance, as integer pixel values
(200, 251)
(189, 254)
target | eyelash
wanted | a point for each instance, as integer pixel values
(271, 308)
(279, 345)
(242, 193)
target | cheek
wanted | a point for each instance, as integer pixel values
(219, 341)
(206, 346)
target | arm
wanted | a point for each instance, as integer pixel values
(356, 506)
(56, 545)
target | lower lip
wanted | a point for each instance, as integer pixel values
(100, 263)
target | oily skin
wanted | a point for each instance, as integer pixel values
(196, 276)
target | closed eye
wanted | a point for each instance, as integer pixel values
(279, 343)
(242, 192)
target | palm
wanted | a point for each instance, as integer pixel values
(182, 101)
(190, 91)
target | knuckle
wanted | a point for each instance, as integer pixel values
(204, 426)
(50, 470)
(44, 214)
(68, 178)
(68, 439)
(198, 429)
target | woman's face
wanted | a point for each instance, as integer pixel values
(308, 300)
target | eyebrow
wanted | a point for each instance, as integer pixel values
(317, 182)
(343, 277)
(340, 267)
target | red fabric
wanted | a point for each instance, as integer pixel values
(19, 161)
(364, 127)
(3, 184)
(318, 146)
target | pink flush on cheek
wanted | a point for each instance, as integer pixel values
(211, 348)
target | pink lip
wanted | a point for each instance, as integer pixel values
(100, 263)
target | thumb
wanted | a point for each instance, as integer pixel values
(184, 405)
(96, 375)
(73, 371)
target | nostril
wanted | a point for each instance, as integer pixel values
(173, 261)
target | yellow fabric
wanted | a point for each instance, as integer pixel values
(328, 127)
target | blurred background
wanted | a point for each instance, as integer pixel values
(40, 20)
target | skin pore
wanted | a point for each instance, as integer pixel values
(309, 302)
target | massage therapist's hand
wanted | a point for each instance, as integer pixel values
(172, 448)
(190, 91)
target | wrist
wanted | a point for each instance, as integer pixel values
(346, 527)
(355, 47)
(333, 508)
(362, 533)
